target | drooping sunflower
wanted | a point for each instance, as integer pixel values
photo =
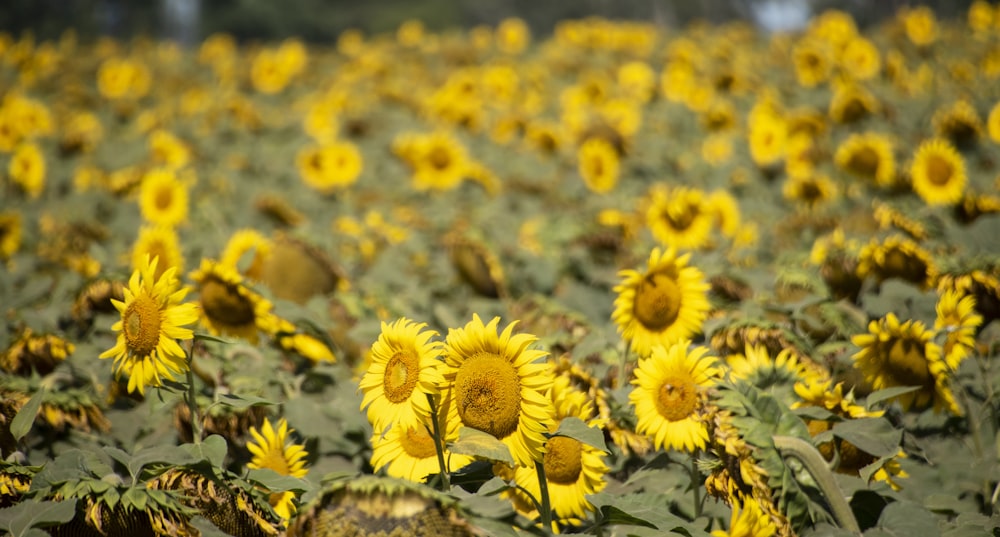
(10, 233)
(498, 385)
(897, 257)
(297, 270)
(938, 172)
(756, 366)
(958, 321)
(408, 452)
(163, 198)
(904, 354)
(153, 316)
(869, 156)
(271, 449)
(669, 395)
(228, 306)
(158, 242)
(666, 303)
(404, 372)
(889, 217)
(573, 469)
(958, 123)
(27, 169)
(598, 165)
(680, 217)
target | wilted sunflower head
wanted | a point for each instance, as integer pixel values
(476, 264)
(898, 257)
(230, 504)
(959, 123)
(375, 506)
(35, 352)
(298, 271)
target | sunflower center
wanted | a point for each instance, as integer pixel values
(657, 301)
(488, 394)
(418, 443)
(939, 170)
(677, 398)
(811, 191)
(597, 166)
(563, 460)
(222, 303)
(907, 363)
(864, 162)
(164, 198)
(141, 325)
(680, 215)
(400, 376)
(901, 265)
(439, 158)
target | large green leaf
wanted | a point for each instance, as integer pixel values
(276, 482)
(577, 429)
(24, 516)
(905, 519)
(480, 444)
(875, 436)
(21, 423)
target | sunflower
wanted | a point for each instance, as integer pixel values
(332, 166)
(756, 366)
(439, 162)
(897, 257)
(163, 199)
(903, 354)
(667, 303)
(726, 211)
(958, 321)
(852, 102)
(166, 149)
(993, 123)
(271, 449)
(716, 149)
(598, 165)
(296, 270)
(938, 172)
(669, 395)
(228, 307)
(959, 123)
(10, 233)
(768, 138)
(748, 521)
(27, 169)
(158, 242)
(680, 217)
(920, 25)
(250, 243)
(496, 384)
(891, 218)
(812, 59)
(982, 285)
(153, 314)
(868, 156)
(813, 190)
(408, 452)
(403, 374)
(860, 59)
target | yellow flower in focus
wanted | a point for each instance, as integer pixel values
(152, 318)
(666, 303)
(27, 169)
(163, 198)
(669, 395)
(748, 521)
(273, 450)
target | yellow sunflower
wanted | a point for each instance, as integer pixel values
(860, 59)
(903, 354)
(408, 452)
(757, 367)
(27, 169)
(163, 198)
(768, 138)
(153, 314)
(897, 257)
(158, 242)
(228, 307)
(10, 233)
(958, 321)
(748, 521)
(982, 285)
(920, 25)
(869, 156)
(403, 373)
(959, 123)
(812, 191)
(666, 303)
(812, 60)
(726, 210)
(573, 470)
(680, 217)
(669, 395)
(439, 162)
(246, 242)
(166, 149)
(330, 167)
(852, 102)
(993, 123)
(498, 385)
(598, 165)
(271, 449)
(938, 172)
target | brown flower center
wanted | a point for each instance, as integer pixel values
(657, 301)
(164, 197)
(223, 303)
(864, 162)
(488, 394)
(141, 325)
(907, 364)
(939, 170)
(418, 443)
(400, 376)
(677, 398)
(563, 460)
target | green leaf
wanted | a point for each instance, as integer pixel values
(199, 336)
(875, 436)
(877, 397)
(169, 455)
(577, 429)
(134, 498)
(24, 516)
(815, 413)
(906, 519)
(206, 527)
(479, 444)
(21, 423)
(275, 482)
(612, 516)
(241, 402)
(643, 510)
(212, 449)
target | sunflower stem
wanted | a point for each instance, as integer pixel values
(192, 403)
(543, 491)
(439, 444)
(807, 454)
(696, 486)
(622, 377)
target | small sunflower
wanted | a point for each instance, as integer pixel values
(756, 366)
(332, 166)
(920, 25)
(903, 354)
(860, 59)
(250, 243)
(598, 165)
(403, 373)
(852, 102)
(958, 321)
(10, 234)
(680, 217)
(158, 242)
(748, 521)
(938, 172)
(153, 314)
(163, 199)
(768, 138)
(271, 449)
(439, 162)
(897, 257)
(813, 190)
(498, 385)
(228, 307)
(666, 303)
(813, 62)
(408, 452)
(959, 123)
(869, 156)
(726, 209)
(27, 169)
(669, 395)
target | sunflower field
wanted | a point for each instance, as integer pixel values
(615, 280)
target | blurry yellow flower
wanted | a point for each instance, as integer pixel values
(82, 132)
(10, 234)
(120, 78)
(598, 165)
(920, 25)
(860, 59)
(330, 167)
(938, 173)
(168, 150)
(768, 138)
(512, 36)
(158, 242)
(868, 155)
(813, 60)
(163, 199)
(27, 169)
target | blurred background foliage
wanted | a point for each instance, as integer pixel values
(322, 20)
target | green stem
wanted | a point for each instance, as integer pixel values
(622, 376)
(192, 403)
(696, 486)
(543, 488)
(816, 465)
(439, 444)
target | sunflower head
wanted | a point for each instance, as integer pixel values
(898, 257)
(229, 503)
(297, 270)
(476, 264)
(93, 298)
(959, 123)
(35, 352)
(228, 306)
(680, 217)
(868, 156)
(938, 172)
